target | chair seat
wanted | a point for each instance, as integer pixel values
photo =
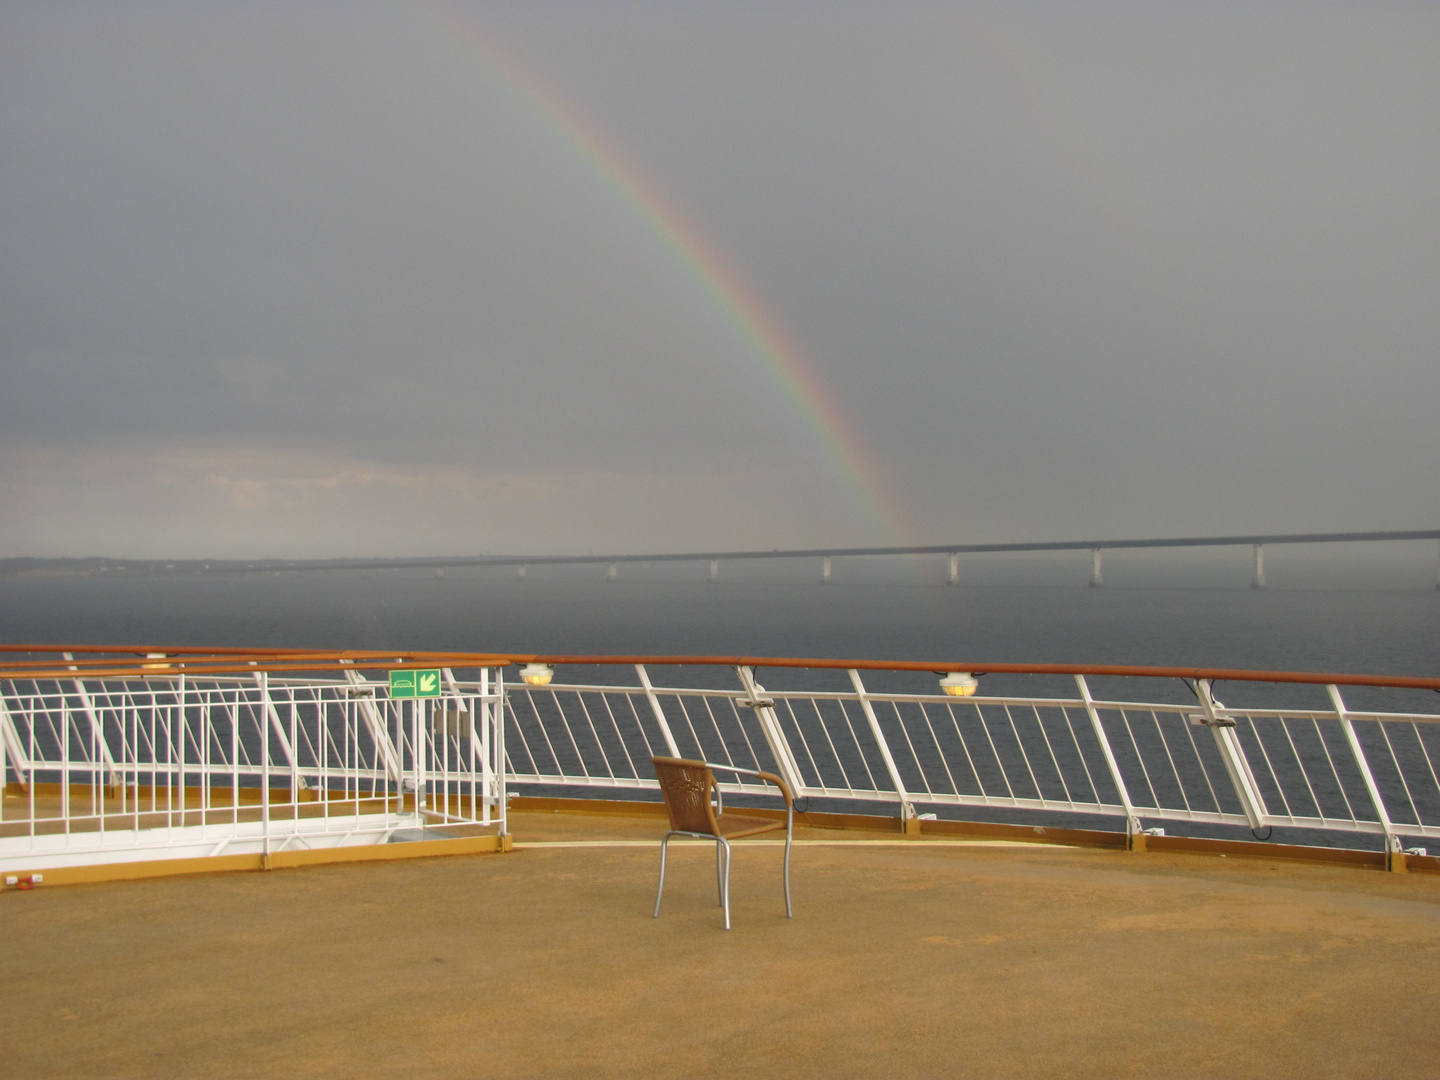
(734, 826)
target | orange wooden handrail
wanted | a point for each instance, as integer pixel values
(132, 661)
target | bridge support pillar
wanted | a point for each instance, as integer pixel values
(1096, 578)
(825, 570)
(1258, 580)
(613, 572)
(954, 578)
(714, 569)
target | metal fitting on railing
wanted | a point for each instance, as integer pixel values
(1201, 720)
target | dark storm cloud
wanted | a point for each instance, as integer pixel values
(266, 270)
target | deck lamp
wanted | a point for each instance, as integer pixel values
(959, 684)
(537, 674)
(152, 670)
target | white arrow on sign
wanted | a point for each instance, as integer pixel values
(428, 682)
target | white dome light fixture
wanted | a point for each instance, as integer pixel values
(537, 674)
(959, 684)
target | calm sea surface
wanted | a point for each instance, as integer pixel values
(1388, 631)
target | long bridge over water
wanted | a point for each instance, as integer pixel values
(954, 551)
(825, 556)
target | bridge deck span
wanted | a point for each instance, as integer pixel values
(834, 552)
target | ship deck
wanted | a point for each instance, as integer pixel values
(906, 957)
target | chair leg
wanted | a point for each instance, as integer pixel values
(664, 845)
(725, 886)
(719, 881)
(789, 911)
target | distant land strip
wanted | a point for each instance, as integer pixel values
(242, 566)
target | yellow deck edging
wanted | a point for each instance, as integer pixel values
(747, 842)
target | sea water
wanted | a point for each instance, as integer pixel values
(1394, 631)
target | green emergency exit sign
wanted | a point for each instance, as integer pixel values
(415, 683)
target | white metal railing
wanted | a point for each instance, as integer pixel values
(1145, 762)
(169, 766)
(107, 768)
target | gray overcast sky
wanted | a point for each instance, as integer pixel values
(318, 278)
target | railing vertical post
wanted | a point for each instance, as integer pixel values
(294, 741)
(774, 734)
(1134, 832)
(655, 708)
(483, 737)
(180, 725)
(394, 717)
(501, 796)
(203, 738)
(417, 747)
(907, 807)
(235, 715)
(1233, 755)
(1394, 856)
(65, 763)
(263, 678)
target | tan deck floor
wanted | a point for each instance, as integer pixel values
(917, 959)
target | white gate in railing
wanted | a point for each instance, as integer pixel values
(1144, 762)
(165, 766)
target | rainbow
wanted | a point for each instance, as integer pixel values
(784, 361)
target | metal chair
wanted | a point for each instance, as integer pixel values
(696, 809)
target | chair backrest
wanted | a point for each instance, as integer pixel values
(687, 786)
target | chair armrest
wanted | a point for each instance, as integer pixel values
(777, 781)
